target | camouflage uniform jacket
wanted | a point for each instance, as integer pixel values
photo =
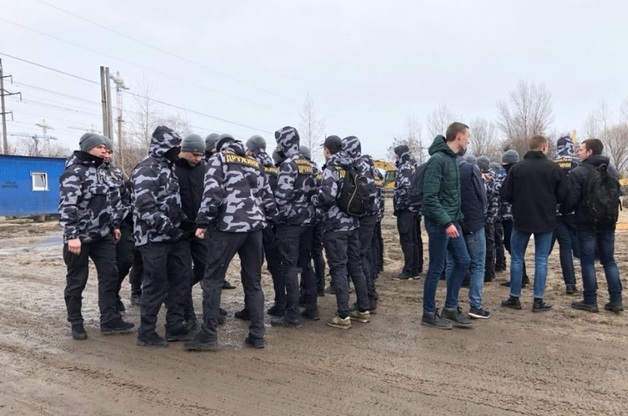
(366, 167)
(296, 183)
(334, 219)
(401, 193)
(493, 199)
(381, 195)
(505, 209)
(269, 168)
(156, 198)
(114, 177)
(237, 196)
(86, 200)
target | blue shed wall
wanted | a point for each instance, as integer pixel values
(17, 196)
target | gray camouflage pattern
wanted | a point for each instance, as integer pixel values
(237, 196)
(403, 182)
(113, 176)
(86, 200)
(296, 182)
(334, 219)
(365, 165)
(156, 199)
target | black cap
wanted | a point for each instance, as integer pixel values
(333, 144)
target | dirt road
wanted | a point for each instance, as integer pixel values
(563, 362)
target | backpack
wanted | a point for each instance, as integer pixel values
(601, 197)
(354, 197)
(416, 182)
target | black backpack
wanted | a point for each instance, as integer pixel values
(416, 182)
(354, 197)
(601, 197)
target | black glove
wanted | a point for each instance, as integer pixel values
(176, 234)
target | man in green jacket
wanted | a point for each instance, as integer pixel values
(441, 209)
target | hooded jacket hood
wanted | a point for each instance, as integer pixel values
(288, 138)
(564, 147)
(339, 159)
(403, 152)
(163, 139)
(597, 160)
(440, 145)
(235, 146)
(352, 147)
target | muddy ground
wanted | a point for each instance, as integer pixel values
(563, 362)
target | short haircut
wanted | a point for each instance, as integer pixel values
(454, 129)
(595, 145)
(536, 142)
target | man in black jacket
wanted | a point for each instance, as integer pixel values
(595, 233)
(533, 186)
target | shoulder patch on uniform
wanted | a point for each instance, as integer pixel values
(241, 160)
(304, 166)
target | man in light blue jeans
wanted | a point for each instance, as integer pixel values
(533, 186)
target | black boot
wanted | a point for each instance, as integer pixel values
(540, 306)
(78, 332)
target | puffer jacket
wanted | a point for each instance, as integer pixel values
(156, 198)
(86, 199)
(441, 196)
(296, 182)
(334, 219)
(237, 196)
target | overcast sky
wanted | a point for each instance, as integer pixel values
(367, 64)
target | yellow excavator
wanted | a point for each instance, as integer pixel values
(389, 172)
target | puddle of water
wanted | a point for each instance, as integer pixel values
(44, 243)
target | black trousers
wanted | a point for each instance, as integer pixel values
(288, 238)
(136, 274)
(103, 254)
(343, 256)
(271, 253)
(166, 276)
(125, 251)
(366, 233)
(222, 248)
(199, 252)
(317, 256)
(409, 227)
(500, 255)
(304, 263)
(376, 254)
(489, 262)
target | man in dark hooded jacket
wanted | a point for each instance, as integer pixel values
(595, 234)
(341, 238)
(158, 217)
(366, 230)
(237, 204)
(296, 186)
(86, 209)
(442, 211)
(407, 216)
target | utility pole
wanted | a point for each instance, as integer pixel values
(117, 79)
(104, 94)
(44, 128)
(3, 112)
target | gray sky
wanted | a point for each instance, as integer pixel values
(367, 64)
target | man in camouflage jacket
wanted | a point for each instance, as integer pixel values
(86, 208)
(123, 219)
(341, 238)
(296, 184)
(158, 217)
(237, 204)
(366, 229)
(408, 219)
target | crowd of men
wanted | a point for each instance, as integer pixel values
(191, 205)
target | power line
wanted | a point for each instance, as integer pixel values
(22, 85)
(26, 100)
(164, 74)
(164, 51)
(235, 123)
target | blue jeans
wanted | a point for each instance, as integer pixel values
(518, 244)
(604, 241)
(476, 247)
(439, 245)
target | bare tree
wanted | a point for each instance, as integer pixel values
(528, 111)
(616, 145)
(439, 119)
(413, 138)
(312, 127)
(145, 117)
(484, 140)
